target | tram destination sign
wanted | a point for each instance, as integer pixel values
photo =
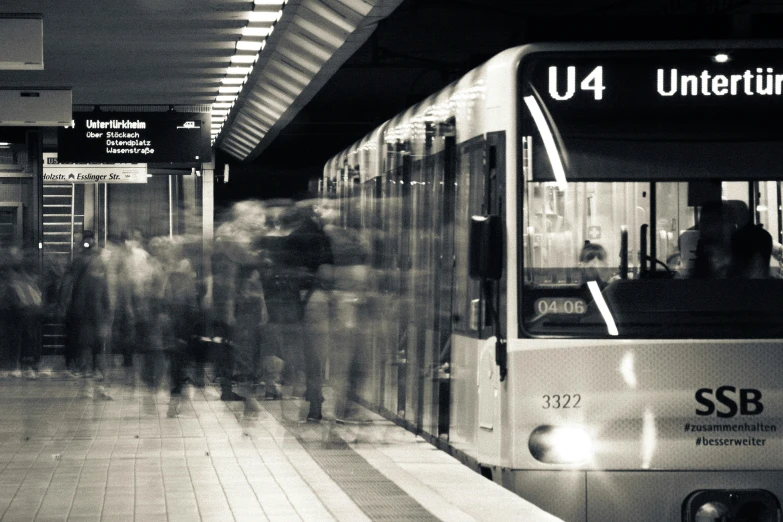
(718, 93)
(662, 115)
(136, 137)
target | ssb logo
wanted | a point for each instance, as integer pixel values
(747, 403)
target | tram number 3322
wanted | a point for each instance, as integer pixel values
(561, 401)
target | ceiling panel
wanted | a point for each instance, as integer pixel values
(133, 51)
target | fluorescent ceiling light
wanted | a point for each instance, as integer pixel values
(219, 112)
(226, 98)
(264, 16)
(248, 45)
(238, 70)
(721, 58)
(229, 89)
(257, 31)
(244, 58)
(221, 105)
(234, 81)
(269, 2)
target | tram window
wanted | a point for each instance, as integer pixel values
(684, 277)
(470, 195)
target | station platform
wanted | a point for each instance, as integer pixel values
(68, 453)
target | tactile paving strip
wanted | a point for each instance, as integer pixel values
(379, 498)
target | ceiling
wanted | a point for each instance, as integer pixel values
(178, 53)
(175, 52)
(426, 44)
(171, 52)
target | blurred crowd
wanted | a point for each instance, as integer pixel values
(258, 309)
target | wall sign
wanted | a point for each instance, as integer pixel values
(136, 137)
(54, 172)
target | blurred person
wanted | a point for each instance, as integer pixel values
(88, 319)
(84, 256)
(123, 339)
(79, 264)
(284, 301)
(29, 303)
(751, 248)
(181, 317)
(592, 262)
(299, 265)
(249, 319)
(717, 223)
(139, 283)
(9, 325)
(348, 336)
(234, 315)
(20, 306)
(221, 325)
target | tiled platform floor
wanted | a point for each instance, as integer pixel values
(65, 455)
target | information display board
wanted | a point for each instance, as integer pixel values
(136, 137)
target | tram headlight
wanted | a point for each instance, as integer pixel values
(561, 444)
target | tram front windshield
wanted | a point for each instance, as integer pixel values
(651, 214)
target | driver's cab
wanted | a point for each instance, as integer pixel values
(661, 246)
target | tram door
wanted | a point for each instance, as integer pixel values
(444, 196)
(398, 219)
(392, 329)
(419, 284)
(430, 201)
(407, 388)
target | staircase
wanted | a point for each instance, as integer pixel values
(59, 222)
(60, 226)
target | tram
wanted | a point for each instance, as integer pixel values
(574, 270)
